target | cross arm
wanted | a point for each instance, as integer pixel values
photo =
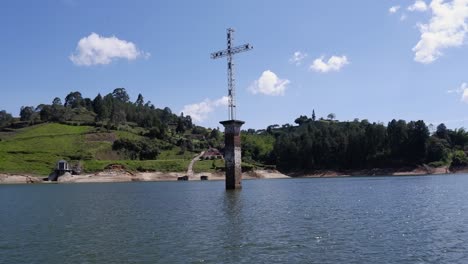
(224, 53)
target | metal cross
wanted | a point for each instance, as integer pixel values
(229, 52)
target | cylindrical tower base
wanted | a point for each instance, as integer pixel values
(232, 153)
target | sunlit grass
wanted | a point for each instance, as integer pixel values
(35, 150)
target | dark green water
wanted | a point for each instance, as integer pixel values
(341, 220)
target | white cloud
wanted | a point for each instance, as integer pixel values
(199, 112)
(223, 101)
(269, 84)
(465, 96)
(393, 9)
(94, 49)
(418, 5)
(297, 57)
(403, 17)
(463, 90)
(335, 63)
(446, 28)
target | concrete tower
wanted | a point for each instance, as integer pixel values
(232, 153)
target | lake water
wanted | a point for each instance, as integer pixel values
(338, 220)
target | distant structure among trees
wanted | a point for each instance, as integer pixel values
(212, 153)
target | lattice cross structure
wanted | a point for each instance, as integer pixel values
(229, 52)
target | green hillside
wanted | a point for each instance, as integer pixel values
(36, 149)
(111, 129)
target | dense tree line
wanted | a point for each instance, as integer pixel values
(311, 144)
(112, 110)
(328, 144)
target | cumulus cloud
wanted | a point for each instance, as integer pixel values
(447, 28)
(269, 84)
(199, 112)
(95, 49)
(418, 5)
(393, 9)
(297, 58)
(463, 90)
(465, 95)
(334, 63)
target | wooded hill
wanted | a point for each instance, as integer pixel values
(102, 131)
(112, 129)
(331, 144)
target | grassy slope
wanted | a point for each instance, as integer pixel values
(36, 149)
(207, 165)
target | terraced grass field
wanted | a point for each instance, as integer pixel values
(35, 150)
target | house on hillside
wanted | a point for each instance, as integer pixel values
(211, 154)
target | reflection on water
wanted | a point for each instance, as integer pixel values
(233, 231)
(341, 220)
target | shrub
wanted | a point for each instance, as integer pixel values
(137, 149)
(459, 159)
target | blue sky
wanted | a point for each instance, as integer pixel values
(374, 60)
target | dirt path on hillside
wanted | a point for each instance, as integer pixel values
(190, 173)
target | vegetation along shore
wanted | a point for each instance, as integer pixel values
(149, 143)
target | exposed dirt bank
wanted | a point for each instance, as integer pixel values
(125, 176)
(420, 170)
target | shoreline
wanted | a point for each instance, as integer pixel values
(126, 176)
(119, 175)
(418, 171)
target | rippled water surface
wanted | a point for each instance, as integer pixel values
(340, 220)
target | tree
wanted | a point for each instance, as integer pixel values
(99, 108)
(442, 132)
(121, 95)
(157, 132)
(26, 113)
(397, 132)
(118, 116)
(74, 100)
(5, 118)
(180, 126)
(88, 103)
(188, 122)
(57, 112)
(458, 138)
(418, 134)
(271, 128)
(215, 134)
(149, 105)
(46, 113)
(459, 159)
(140, 101)
(331, 116)
(437, 149)
(57, 101)
(301, 120)
(167, 110)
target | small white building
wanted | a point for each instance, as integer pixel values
(62, 167)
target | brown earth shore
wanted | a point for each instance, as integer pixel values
(418, 171)
(126, 176)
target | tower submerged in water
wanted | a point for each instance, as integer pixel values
(232, 140)
(232, 153)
